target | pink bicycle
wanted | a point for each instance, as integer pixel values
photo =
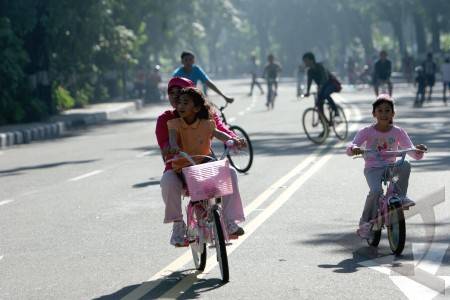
(206, 184)
(390, 211)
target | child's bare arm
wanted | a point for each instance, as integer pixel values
(173, 145)
(220, 135)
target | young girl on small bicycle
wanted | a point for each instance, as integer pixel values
(382, 136)
(192, 133)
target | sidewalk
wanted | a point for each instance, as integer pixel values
(60, 124)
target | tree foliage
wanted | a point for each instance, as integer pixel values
(55, 54)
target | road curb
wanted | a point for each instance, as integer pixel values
(61, 124)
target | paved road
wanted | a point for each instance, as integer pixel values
(81, 217)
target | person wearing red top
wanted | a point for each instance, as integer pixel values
(171, 185)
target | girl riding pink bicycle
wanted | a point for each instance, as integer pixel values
(382, 136)
(192, 133)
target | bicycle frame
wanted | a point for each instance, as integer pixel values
(389, 196)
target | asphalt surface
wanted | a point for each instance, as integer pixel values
(81, 217)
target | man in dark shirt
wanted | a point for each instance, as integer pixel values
(382, 73)
(321, 76)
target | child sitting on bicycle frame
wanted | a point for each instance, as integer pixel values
(192, 133)
(382, 136)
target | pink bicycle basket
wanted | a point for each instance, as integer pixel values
(208, 180)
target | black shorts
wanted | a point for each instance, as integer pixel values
(430, 80)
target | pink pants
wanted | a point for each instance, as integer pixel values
(172, 189)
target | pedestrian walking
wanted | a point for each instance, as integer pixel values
(420, 82)
(253, 70)
(446, 77)
(429, 67)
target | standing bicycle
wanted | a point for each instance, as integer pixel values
(271, 74)
(241, 160)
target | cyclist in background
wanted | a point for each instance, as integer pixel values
(271, 73)
(193, 72)
(322, 77)
(382, 73)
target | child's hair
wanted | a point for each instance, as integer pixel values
(309, 56)
(199, 101)
(383, 98)
(186, 53)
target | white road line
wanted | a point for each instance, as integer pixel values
(182, 260)
(187, 256)
(250, 228)
(86, 175)
(146, 153)
(4, 202)
(1, 257)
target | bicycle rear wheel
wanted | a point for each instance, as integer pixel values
(340, 124)
(315, 126)
(241, 160)
(221, 250)
(396, 229)
(199, 255)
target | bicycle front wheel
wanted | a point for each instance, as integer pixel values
(315, 126)
(340, 124)
(396, 230)
(221, 250)
(241, 160)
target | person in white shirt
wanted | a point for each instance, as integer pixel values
(446, 77)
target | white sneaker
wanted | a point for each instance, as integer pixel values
(407, 203)
(178, 234)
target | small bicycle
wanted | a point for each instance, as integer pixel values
(240, 160)
(206, 184)
(390, 211)
(317, 125)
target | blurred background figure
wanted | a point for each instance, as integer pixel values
(153, 93)
(139, 82)
(420, 82)
(253, 70)
(351, 70)
(429, 67)
(408, 67)
(446, 77)
(382, 73)
(301, 70)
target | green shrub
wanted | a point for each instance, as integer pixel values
(63, 99)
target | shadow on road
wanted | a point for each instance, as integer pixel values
(155, 289)
(17, 171)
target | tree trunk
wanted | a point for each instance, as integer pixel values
(435, 34)
(420, 34)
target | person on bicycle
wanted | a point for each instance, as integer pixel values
(381, 136)
(195, 73)
(171, 185)
(323, 78)
(271, 73)
(382, 73)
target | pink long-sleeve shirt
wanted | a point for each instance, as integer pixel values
(382, 141)
(162, 131)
